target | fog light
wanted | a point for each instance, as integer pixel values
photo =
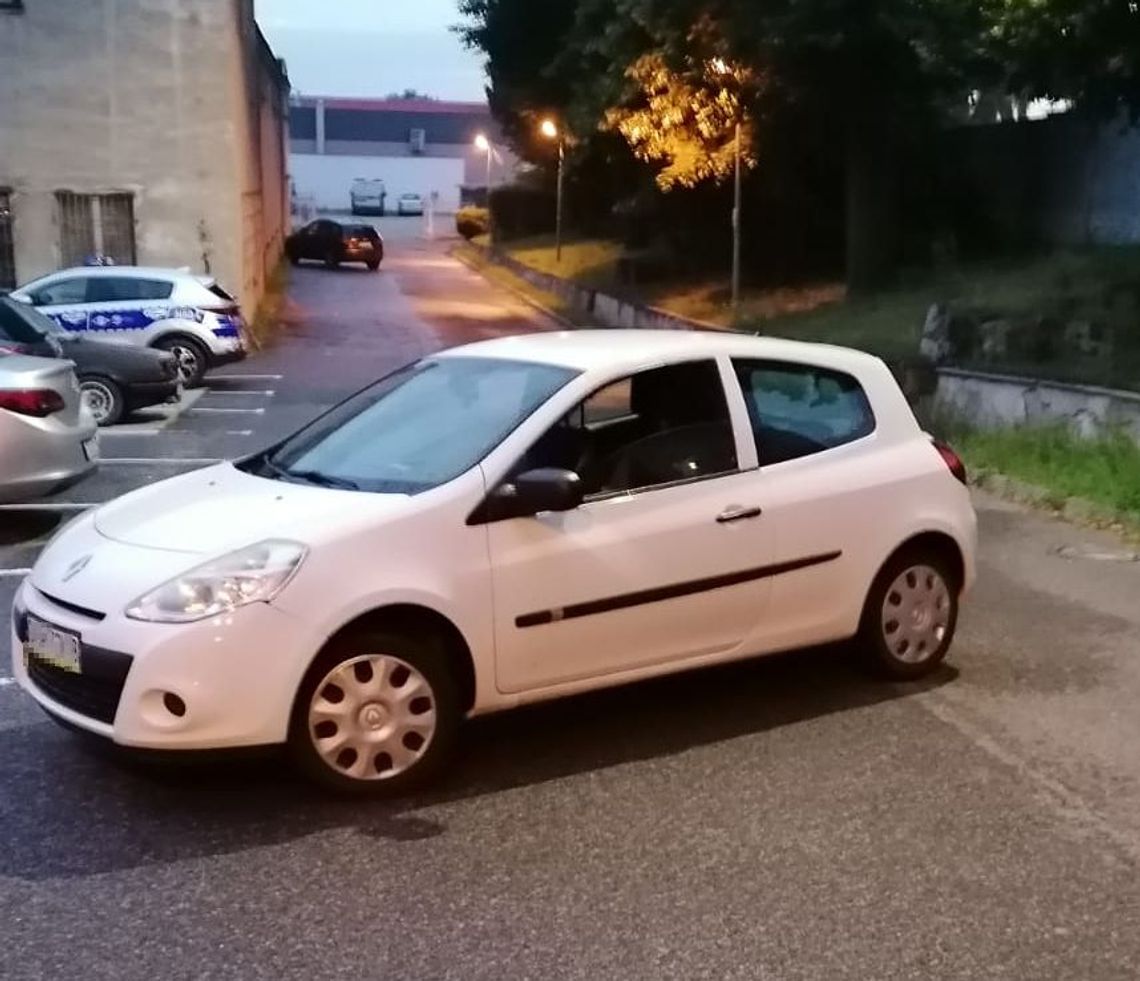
(173, 704)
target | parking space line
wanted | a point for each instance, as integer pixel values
(13, 573)
(132, 461)
(207, 408)
(239, 432)
(5, 682)
(104, 433)
(246, 377)
(266, 392)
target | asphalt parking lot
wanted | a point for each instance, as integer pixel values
(779, 819)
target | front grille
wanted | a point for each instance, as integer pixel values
(95, 693)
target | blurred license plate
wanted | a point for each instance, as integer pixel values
(58, 648)
(91, 448)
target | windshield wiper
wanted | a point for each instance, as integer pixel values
(324, 479)
(309, 476)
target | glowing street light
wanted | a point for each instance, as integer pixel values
(483, 144)
(549, 129)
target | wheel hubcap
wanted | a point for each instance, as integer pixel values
(187, 360)
(98, 399)
(372, 717)
(916, 614)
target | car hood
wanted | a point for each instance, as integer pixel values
(221, 508)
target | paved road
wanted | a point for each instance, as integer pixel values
(779, 819)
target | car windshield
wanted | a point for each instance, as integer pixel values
(416, 429)
(26, 324)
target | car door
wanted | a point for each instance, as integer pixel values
(64, 299)
(815, 439)
(664, 560)
(308, 241)
(122, 308)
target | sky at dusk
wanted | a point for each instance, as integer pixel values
(372, 47)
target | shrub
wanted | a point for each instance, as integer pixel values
(472, 221)
(522, 211)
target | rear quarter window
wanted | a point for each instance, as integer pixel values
(797, 410)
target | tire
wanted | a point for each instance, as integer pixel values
(380, 756)
(294, 259)
(331, 261)
(910, 616)
(104, 397)
(374, 266)
(191, 356)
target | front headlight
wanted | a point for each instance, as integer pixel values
(254, 574)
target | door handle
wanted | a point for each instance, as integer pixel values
(737, 513)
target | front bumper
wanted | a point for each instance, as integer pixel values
(141, 394)
(236, 676)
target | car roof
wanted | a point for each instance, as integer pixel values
(616, 349)
(140, 272)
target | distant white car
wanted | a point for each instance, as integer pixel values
(409, 204)
(173, 310)
(367, 196)
(506, 522)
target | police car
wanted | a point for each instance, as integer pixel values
(192, 317)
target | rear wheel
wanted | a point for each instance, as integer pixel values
(376, 714)
(191, 358)
(374, 265)
(103, 397)
(910, 616)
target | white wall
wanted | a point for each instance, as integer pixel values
(329, 178)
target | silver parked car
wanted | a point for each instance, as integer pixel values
(48, 436)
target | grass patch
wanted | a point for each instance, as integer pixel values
(1073, 285)
(1105, 471)
(504, 277)
(267, 319)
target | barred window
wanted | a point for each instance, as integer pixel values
(96, 224)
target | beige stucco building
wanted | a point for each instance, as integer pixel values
(153, 131)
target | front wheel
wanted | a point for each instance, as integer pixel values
(376, 714)
(190, 356)
(910, 616)
(103, 397)
(374, 265)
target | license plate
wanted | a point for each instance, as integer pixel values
(53, 646)
(91, 448)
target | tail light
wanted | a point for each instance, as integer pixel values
(38, 402)
(952, 461)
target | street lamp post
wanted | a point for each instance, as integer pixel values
(482, 143)
(721, 67)
(551, 132)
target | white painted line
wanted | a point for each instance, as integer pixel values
(5, 682)
(246, 391)
(104, 433)
(239, 432)
(218, 378)
(13, 573)
(52, 506)
(206, 408)
(133, 461)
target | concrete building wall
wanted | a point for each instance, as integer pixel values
(135, 96)
(328, 179)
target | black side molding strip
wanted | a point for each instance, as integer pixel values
(661, 593)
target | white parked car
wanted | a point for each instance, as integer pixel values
(410, 204)
(505, 522)
(173, 310)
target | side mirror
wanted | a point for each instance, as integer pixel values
(535, 491)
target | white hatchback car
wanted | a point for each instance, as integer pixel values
(505, 522)
(191, 316)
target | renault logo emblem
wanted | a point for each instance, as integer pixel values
(75, 568)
